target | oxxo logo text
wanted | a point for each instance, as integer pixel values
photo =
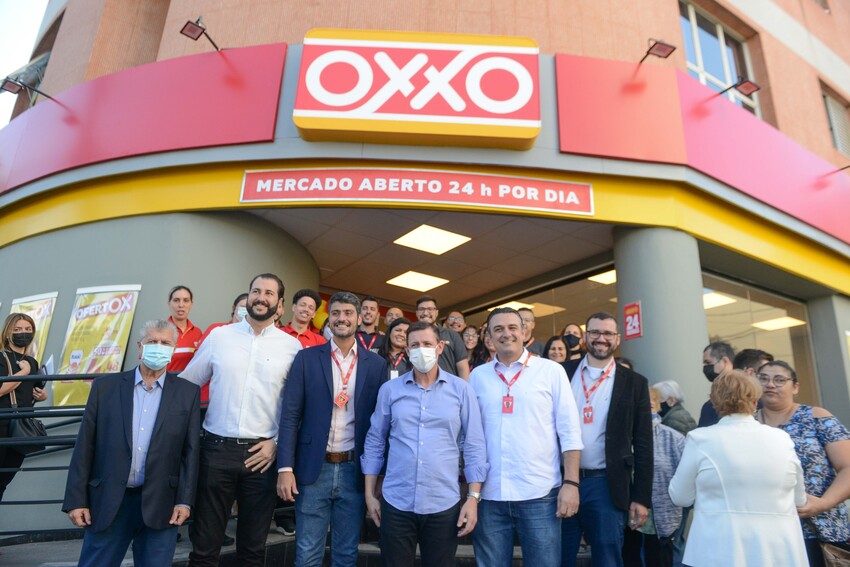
(411, 86)
(111, 306)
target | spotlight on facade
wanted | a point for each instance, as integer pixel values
(744, 86)
(658, 48)
(14, 86)
(196, 29)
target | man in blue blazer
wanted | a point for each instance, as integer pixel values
(329, 398)
(135, 464)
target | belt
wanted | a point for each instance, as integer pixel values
(343, 457)
(234, 440)
(590, 473)
(134, 489)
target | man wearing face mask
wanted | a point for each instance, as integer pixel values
(330, 396)
(418, 414)
(716, 361)
(136, 481)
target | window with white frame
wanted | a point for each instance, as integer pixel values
(839, 122)
(715, 57)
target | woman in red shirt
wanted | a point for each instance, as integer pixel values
(189, 336)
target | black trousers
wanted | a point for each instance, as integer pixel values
(222, 479)
(657, 552)
(435, 533)
(9, 459)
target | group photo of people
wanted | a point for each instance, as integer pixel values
(437, 432)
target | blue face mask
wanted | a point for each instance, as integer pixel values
(156, 357)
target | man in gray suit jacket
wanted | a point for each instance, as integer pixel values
(135, 464)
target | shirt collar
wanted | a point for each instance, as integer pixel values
(189, 325)
(441, 377)
(521, 360)
(336, 350)
(246, 327)
(160, 380)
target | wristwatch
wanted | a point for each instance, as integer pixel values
(476, 495)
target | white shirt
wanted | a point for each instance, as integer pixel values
(341, 436)
(593, 434)
(246, 373)
(524, 447)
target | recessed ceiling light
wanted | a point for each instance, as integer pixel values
(417, 281)
(778, 323)
(430, 239)
(605, 278)
(542, 309)
(712, 299)
(516, 305)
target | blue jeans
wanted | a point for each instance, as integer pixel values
(106, 548)
(333, 500)
(536, 525)
(601, 522)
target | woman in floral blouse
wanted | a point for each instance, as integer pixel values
(823, 445)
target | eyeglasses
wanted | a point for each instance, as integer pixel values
(777, 380)
(470, 335)
(596, 334)
(454, 319)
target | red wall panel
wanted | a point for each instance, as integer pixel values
(217, 98)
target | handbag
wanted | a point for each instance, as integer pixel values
(834, 556)
(24, 428)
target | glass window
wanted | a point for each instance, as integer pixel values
(747, 317)
(715, 58)
(839, 122)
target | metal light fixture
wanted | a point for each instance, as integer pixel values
(744, 86)
(14, 86)
(196, 29)
(658, 48)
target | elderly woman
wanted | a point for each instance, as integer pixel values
(745, 482)
(823, 445)
(673, 413)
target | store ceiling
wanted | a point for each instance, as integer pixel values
(354, 249)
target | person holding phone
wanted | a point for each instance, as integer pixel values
(15, 360)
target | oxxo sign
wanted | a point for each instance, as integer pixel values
(398, 87)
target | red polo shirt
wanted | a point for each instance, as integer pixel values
(307, 339)
(187, 343)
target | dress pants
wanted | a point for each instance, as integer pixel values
(107, 548)
(435, 533)
(223, 478)
(9, 459)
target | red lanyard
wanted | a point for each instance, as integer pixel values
(347, 376)
(514, 379)
(396, 362)
(362, 342)
(588, 393)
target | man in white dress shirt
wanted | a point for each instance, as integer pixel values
(246, 364)
(530, 424)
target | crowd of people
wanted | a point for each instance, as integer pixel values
(434, 429)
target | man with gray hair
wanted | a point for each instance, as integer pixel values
(135, 464)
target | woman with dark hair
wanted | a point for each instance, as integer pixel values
(555, 349)
(17, 337)
(188, 335)
(393, 348)
(823, 445)
(572, 334)
(471, 337)
(484, 350)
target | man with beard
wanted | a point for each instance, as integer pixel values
(531, 431)
(367, 333)
(716, 361)
(454, 358)
(330, 396)
(617, 461)
(246, 365)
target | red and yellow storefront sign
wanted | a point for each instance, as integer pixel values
(404, 87)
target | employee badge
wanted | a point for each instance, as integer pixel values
(588, 414)
(342, 399)
(507, 404)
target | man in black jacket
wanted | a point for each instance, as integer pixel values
(616, 464)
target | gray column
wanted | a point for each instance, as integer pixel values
(829, 318)
(660, 267)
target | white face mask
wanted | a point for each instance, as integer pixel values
(241, 312)
(423, 359)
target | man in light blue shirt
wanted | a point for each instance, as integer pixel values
(424, 414)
